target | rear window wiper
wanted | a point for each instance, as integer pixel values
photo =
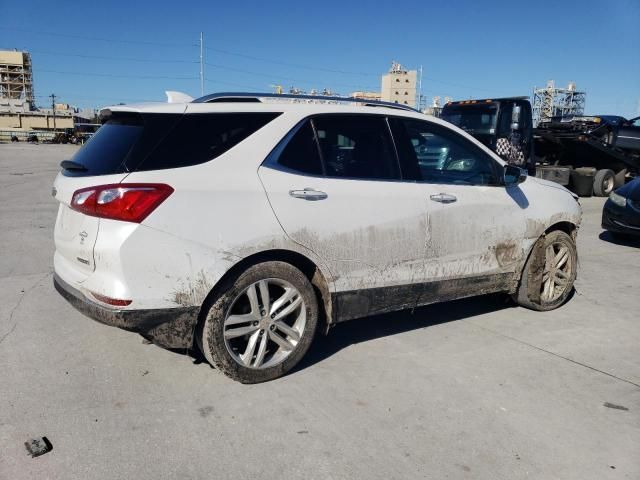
(71, 165)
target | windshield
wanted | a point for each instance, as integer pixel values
(472, 118)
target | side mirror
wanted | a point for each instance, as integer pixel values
(516, 115)
(513, 175)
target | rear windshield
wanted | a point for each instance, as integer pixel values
(129, 142)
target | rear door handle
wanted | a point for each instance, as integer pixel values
(308, 194)
(443, 198)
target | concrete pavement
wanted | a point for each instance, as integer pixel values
(469, 389)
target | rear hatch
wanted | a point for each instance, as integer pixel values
(104, 156)
(117, 148)
(131, 141)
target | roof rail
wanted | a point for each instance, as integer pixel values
(245, 97)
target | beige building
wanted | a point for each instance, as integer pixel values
(17, 108)
(16, 78)
(400, 85)
(34, 121)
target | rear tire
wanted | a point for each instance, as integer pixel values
(549, 273)
(275, 341)
(604, 182)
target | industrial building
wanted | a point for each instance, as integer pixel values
(16, 81)
(557, 102)
(18, 115)
(400, 85)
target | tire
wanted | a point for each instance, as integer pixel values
(604, 182)
(265, 351)
(531, 291)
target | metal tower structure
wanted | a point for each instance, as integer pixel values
(552, 102)
(16, 77)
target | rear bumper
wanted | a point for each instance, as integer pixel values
(167, 327)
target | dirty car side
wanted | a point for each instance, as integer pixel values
(386, 260)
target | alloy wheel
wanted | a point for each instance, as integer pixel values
(265, 323)
(558, 271)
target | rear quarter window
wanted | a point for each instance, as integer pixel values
(141, 142)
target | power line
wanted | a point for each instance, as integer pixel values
(222, 51)
(233, 84)
(108, 75)
(101, 57)
(279, 77)
(342, 72)
(98, 39)
(67, 96)
(287, 64)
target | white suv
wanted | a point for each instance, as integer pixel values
(243, 224)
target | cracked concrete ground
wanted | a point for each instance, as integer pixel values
(469, 389)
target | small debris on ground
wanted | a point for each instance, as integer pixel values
(146, 372)
(613, 405)
(38, 446)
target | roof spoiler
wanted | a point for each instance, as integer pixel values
(178, 97)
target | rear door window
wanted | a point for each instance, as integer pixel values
(356, 146)
(139, 142)
(301, 153)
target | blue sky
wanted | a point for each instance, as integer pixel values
(467, 48)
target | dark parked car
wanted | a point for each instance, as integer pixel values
(621, 213)
(627, 136)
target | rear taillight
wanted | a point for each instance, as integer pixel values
(129, 202)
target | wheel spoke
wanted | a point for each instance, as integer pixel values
(559, 255)
(288, 294)
(289, 308)
(562, 274)
(251, 347)
(563, 259)
(546, 293)
(237, 319)
(560, 281)
(549, 256)
(284, 344)
(264, 294)
(262, 350)
(252, 294)
(239, 332)
(292, 333)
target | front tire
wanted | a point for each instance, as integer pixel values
(549, 273)
(260, 324)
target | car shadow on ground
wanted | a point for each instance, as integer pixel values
(361, 330)
(352, 332)
(625, 241)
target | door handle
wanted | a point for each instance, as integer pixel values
(308, 194)
(443, 198)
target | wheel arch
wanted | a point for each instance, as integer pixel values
(307, 266)
(569, 228)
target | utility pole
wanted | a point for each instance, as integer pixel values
(53, 108)
(420, 90)
(201, 63)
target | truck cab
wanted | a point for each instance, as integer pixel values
(503, 124)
